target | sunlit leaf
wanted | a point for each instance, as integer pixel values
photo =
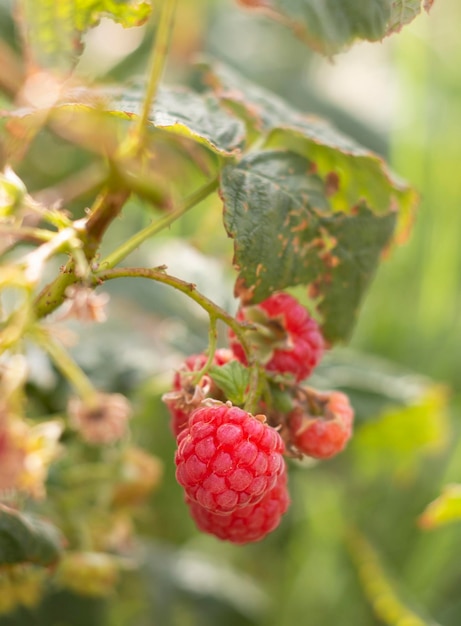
(53, 29)
(25, 538)
(401, 436)
(285, 233)
(443, 510)
(89, 118)
(186, 113)
(328, 26)
(404, 11)
(354, 174)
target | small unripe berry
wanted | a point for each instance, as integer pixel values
(324, 429)
(287, 337)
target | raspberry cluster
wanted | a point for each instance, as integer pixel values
(229, 462)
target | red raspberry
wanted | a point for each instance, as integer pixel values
(186, 397)
(251, 523)
(295, 336)
(227, 459)
(326, 431)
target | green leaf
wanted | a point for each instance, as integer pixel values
(184, 112)
(354, 173)
(233, 378)
(402, 436)
(443, 510)
(373, 384)
(53, 29)
(328, 26)
(404, 11)
(89, 117)
(12, 192)
(285, 233)
(25, 538)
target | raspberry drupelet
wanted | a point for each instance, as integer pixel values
(227, 459)
(248, 524)
(298, 344)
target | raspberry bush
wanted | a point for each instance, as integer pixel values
(98, 178)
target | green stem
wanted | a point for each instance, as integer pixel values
(189, 289)
(257, 384)
(158, 57)
(67, 366)
(105, 209)
(54, 294)
(27, 233)
(134, 242)
(212, 342)
(16, 326)
(376, 585)
(35, 260)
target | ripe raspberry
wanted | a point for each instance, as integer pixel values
(295, 338)
(227, 459)
(185, 396)
(324, 429)
(251, 523)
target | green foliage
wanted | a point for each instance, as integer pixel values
(186, 113)
(445, 509)
(401, 437)
(327, 26)
(354, 173)
(285, 232)
(53, 30)
(25, 538)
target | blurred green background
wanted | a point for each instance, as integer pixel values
(350, 551)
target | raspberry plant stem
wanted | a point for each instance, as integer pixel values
(256, 387)
(131, 244)
(105, 209)
(34, 261)
(107, 206)
(212, 341)
(376, 585)
(68, 367)
(157, 63)
(189, 289)
(25, 233)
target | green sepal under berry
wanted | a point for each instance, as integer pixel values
(233, 379)
(265, 334)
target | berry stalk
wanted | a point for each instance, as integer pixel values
(189, 289)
